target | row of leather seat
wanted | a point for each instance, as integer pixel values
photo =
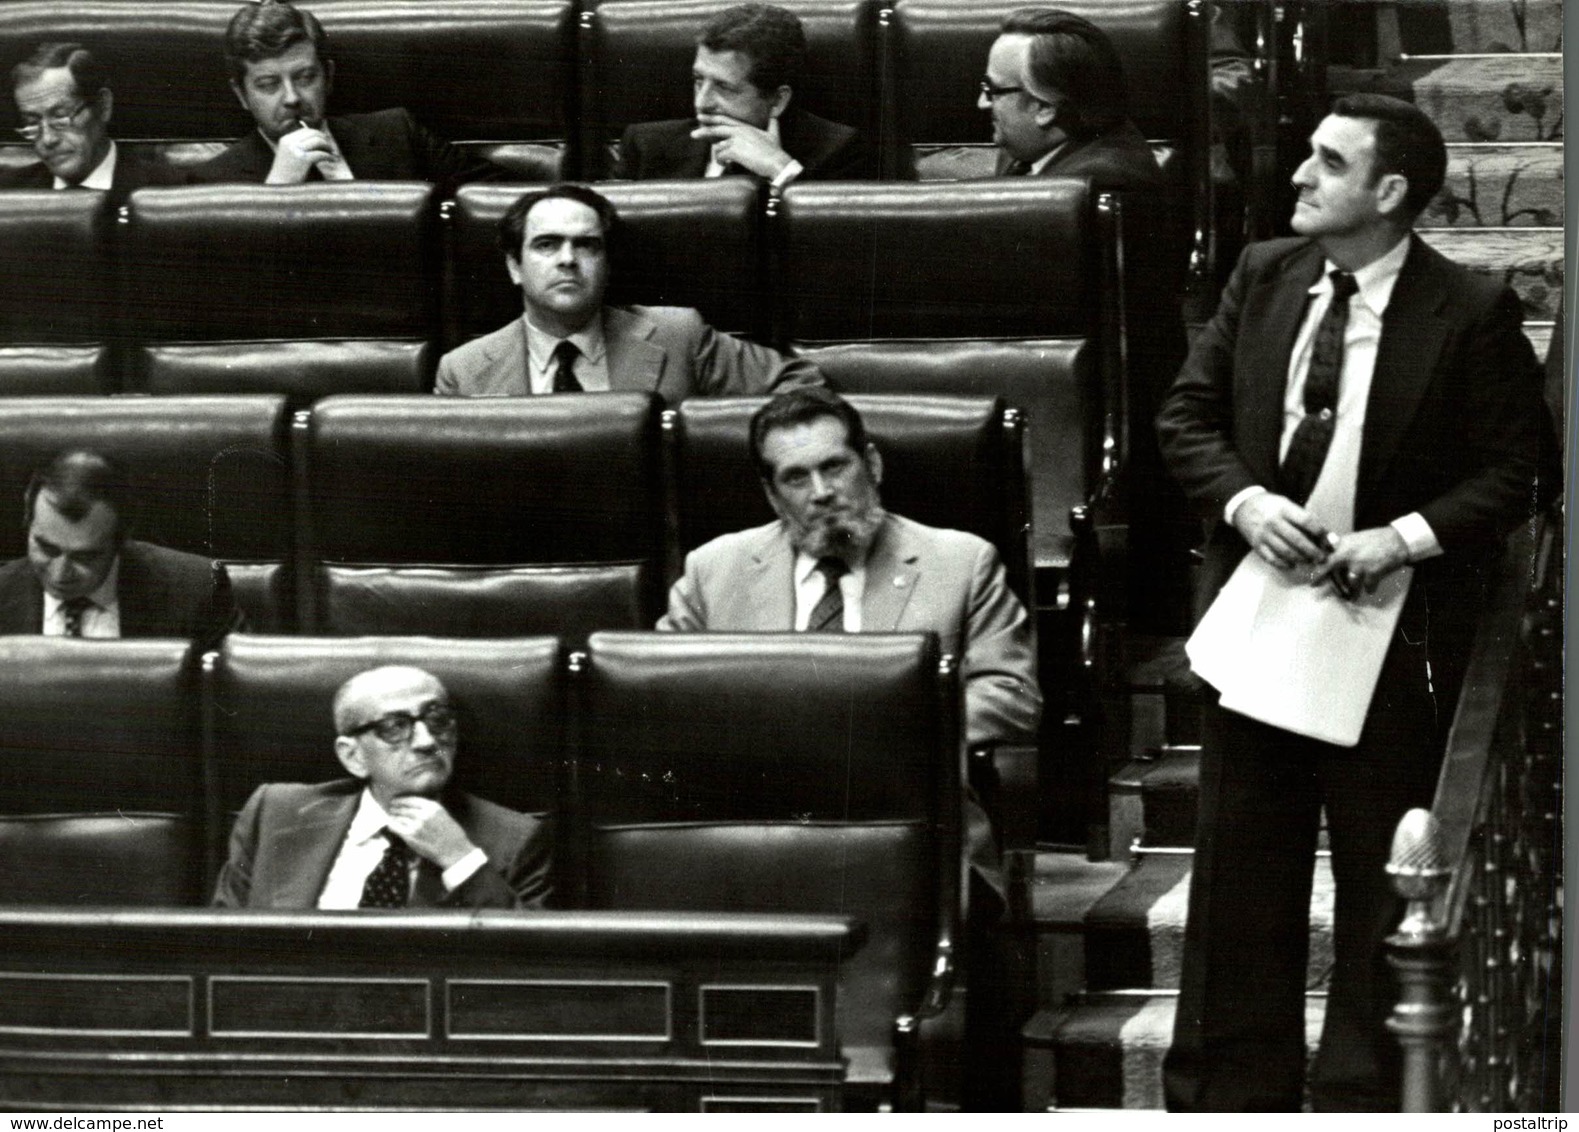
(687, 772)
(558, 80)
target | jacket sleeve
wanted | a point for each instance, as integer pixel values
(521, 882)
(1003, 701)
(234, 888)
(687, 612)
(727, 366)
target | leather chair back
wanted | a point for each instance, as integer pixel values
(56, 371)
(101, 779)
(302, 371)
(780, 773)
(59, 284)
(211, 475)
(567, 601)
(1004, 258)
(678, 243)
(947, 461)
(637, 54)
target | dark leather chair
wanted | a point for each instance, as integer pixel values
(211, 474)
(636, 65)
(567, 601)
(678, 243)
(56, 308)
(267, 715)
(302, 371)
(57, 371)
(787, 773)
(101, 779)
(417, 481)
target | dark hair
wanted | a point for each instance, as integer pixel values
(87, 73)
(771, 37)
(1407, 143)
(1073, 58)
(77, 479)
(512, 225)
(267, 29)
(799, 406)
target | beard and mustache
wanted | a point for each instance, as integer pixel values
(845, 533)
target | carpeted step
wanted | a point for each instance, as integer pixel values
(1495, 26)
(1530, 260)
(1157, 798)
(1489, 98)
(1135, 932)
(1498, 186)
(1064, 887)
(1105, 1051)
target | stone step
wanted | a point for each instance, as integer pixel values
(1489, 98)
(1530, 260)
(1105, 1051)
(1480, 26)
(1498, 186)
(1135, 931)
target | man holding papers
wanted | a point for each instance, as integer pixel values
(1357, 405)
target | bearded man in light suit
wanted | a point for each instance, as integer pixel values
(556, 247)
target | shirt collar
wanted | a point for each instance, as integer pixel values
(540, 344)
(102, 598)
(1375, 280)
(806, 566)
(369, 821)
(102, 177)
(1041, 162)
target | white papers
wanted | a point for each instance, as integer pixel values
(1294, 655)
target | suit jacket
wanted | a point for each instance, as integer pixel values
(1453, 424)
(288, 835)
(1121, 158)
(917, 578)
(131, 173)
(162, 593)
(385, 145)
(667, 350)
(827, 151)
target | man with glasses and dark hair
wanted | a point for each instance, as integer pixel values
(394, 834)
(63, 104)
(1055, 89)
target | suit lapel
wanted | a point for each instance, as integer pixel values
(892, 570)
(135, 593)
(635, 362)
(768, 591)
(691, 156)
(1259, 420)
(307, 848)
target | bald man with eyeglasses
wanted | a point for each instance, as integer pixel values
(394, 834)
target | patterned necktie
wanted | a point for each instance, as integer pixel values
(389, 884)
(1307, 449)
(827, 616)
(72, 610)
(565, 355)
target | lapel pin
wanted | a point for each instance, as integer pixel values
(899, 583)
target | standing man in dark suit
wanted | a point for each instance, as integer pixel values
(556, 247)
(1358, 403)
(282, 74)
(1055, 89)
(83, 577)
(64, 102)
(393, 834)
(748, 60)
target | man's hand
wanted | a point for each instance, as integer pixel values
(735, 142)
(428, 828)
(1360, 561)
(1281, 531)
(299, 151)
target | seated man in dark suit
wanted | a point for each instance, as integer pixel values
(394, 834)
(83, 577)
(748, 59)
(556, 247)
(1055, 89)
(64, 101)
(281, 72)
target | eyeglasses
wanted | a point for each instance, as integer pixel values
(56, 120)
(397, 727)
(994, 92)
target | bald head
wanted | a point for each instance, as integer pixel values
(359, 700)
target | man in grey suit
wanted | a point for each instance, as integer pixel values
(393, 835)
(555, 244)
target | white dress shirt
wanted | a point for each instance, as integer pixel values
(715, 167)
(101, 620)
(811, 583)
(364, 847)
(591, 366)
(102, 177)
(1332, 498)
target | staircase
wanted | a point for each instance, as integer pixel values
(1110, 934)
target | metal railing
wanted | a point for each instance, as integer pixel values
(1479, 953)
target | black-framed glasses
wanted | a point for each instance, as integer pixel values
(57, 120)
(398, 727)
(994, 92)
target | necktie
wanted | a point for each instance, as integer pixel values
(73, 609)
(1017, 169)
(389, 884)
(565, 355)
(827, 616)
(1307, 449)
